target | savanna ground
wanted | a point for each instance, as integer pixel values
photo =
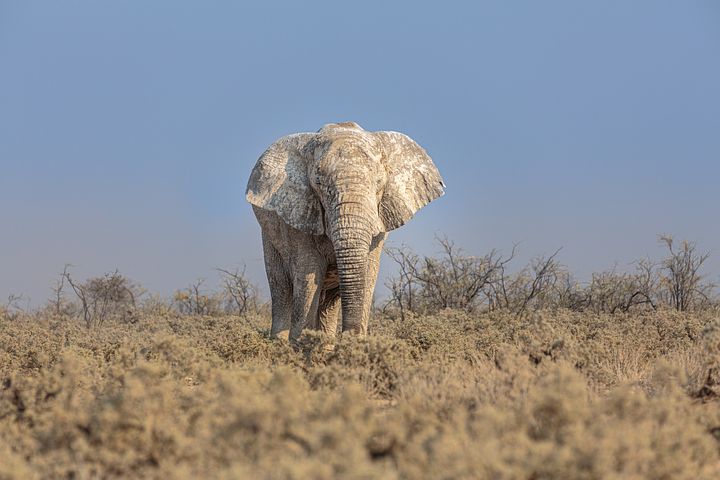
(552, 394)
(469, 371)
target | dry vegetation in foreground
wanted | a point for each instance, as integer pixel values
(471, 371)
(552, 394)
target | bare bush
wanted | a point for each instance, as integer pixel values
(240, 294)
(455, 280)
(195, 300)
(682, 286)
(111, 296)
(155, 304)
(403, 288)
(12, 309)
(452, 280)
(535, 286)
(612, 292)
(58, 304)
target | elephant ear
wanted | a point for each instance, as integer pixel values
(413, 180)
(279, 183)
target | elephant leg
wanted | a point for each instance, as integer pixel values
(328, 311)
(373, 267)
(281, 291)
(330, 302)
(307, 287)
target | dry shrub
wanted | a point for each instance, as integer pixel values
(377, 363)
(196, 300)
(454, 279)
(709, 371)
(106, 298)
(553, 394)
(237, 296)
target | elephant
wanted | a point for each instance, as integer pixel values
(325, 202)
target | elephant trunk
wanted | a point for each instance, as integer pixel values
(351, 234)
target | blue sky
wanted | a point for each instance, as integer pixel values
(128, 129)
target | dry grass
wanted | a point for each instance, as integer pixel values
(554, 395)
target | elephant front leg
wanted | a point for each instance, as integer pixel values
(329, 302)
(281, 292)
(329, 311)
(306, 299)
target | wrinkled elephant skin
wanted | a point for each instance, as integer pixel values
(324, 202)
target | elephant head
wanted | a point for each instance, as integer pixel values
(350, 185)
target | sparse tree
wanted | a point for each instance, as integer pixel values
(680, 279)
(451, 280)
(568, 293)
(403, 287)
(543, 276)
(456, 280)
(101, 298)
(645, 283)
(530, 288)
(58, 302)
(241, 295)
(612, 292)
(194, 300)
(12, 309)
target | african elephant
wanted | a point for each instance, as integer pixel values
(324, 202)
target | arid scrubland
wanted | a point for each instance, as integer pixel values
(468, 372)
(554, 394)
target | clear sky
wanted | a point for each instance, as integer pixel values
(128, 129)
